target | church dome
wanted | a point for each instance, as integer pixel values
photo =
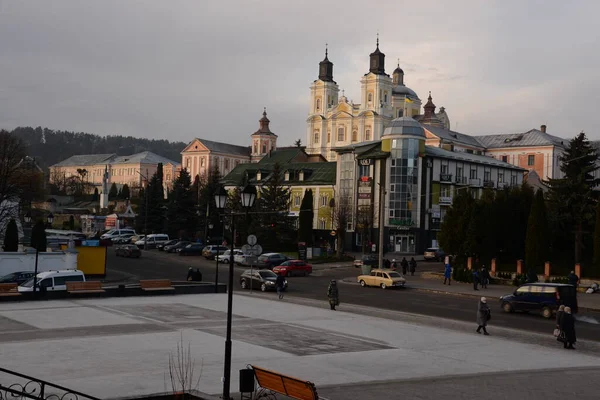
(404, 126)
(403, 90)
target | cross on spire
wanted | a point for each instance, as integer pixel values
(377, 39)
(326, 50)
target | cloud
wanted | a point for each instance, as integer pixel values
(187, 68)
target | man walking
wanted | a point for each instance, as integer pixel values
(485, 278)
(483, 316)
(573, 279)
(333, 294)
(475, 279)
(280, 285)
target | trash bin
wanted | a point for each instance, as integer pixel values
(246, 380)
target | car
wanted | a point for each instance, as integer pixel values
(210, 251)
(17, 277)
(152, 240)
(226, 256)
(271, 260)
(53, 280)
(192, 249)
(434, 254)
(293, 268)
(175, 248)
(122, 239)
(115, 233)
(544, 297)
(383, 278)
(367, 259)
(128, 250)
(161, 246)
(259, 279)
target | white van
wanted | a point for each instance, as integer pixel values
(53, 281)
(113, 233)
(153, 240)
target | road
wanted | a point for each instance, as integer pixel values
(156, 265)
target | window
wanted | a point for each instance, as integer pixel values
(286, 176)
(385, 97)
(226, 163)
(318, 104)
(255, 147)
(513, 180)
(322, 223)
(316, 137)
(445, 191)
(354, 136)
(202, 161)
(500, 176)
(328, 136)
(264, 148)
(487, 175)
(459, 172)
(505, 158)
(370, 97)
(473, 174)
(297, 201)
(237, 162)
(341, 136)
(329, 101)
(400, 113)
(324, 201)
(187, 163)
(368, 134)
(531, 159)
(444, 169)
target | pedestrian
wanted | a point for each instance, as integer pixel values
(197, 275)
(475, 279)
(190, 274)
(404, 265)
(448, 274)
(485, 278)
(394, 265)
(280, 285)
(483, 316)
(559, 317)
(573, 279)
(333, 294)
(568, 329)
(387, 263)
(413, 266)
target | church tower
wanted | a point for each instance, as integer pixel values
(323, 96)
(263, 140)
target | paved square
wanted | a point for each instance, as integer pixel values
(68, 317)
(10, 325)
(169, 313)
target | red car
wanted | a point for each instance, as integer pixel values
(293, 267)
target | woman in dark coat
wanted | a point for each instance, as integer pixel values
(404, 264)
(483, 316)
(559, 315)
(568, 328)
(413, 266)
(333, 294)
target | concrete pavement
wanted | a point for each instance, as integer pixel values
(126, 342)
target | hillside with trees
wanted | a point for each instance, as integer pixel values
(49, 147)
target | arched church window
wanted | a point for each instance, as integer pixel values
(316, 137)
(341, 136)
(328, 136)
(354, 136)
(264, 148)
(370, 97)
(255, 147)
(318, 104)
(385, 97)
(400, 112)
(368, 134)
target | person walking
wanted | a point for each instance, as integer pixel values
(413, 266)
(483, 316)
(448, 274)
(475, 279)
(573, 279)
(333, 294)
(568, 329)
(197, 275)
(394, 265)
(190, 274)
(404, 265)
(280, 285)
(485, 278)
(559, 317)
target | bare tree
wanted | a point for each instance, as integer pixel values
(342, 215)
(182, 371)
(12, 151)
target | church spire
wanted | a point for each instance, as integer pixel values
(377, 60)
(326, 68)
(429, 107)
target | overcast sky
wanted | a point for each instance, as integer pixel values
(178, 69)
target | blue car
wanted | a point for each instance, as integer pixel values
(544, 297)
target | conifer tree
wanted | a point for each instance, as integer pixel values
(536, 243)
(305, 219)
(11, 236)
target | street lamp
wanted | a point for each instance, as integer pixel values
(248, 196)
(50, 219)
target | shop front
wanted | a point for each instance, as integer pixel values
(402, 240)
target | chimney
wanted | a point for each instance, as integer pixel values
(543, 128)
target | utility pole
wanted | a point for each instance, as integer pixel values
(382, 193)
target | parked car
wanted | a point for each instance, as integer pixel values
(544, 297)
(367, 259)
(152, 240)
(434, 254)
(192, 249)
(53, 280)
(114, 233)
(122, 239)
(225, 257)
(17, 277)
(161, 246)
(259, 279)
(210, 252)
(382, 278)
(174, 248)
(271, 260)
(128, 250)
(293, 268)
(135, 238)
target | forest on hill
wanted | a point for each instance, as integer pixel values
(49, 147)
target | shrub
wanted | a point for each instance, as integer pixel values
(559, 279)
(462, 275)
(519, 280)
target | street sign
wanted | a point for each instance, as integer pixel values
(252, 240)
(255, 250)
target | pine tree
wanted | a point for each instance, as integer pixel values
(305, 219)
(181, 212)
(11, 236)
(96, 195)
(113, 192)
(156, 202)
(596, 266)
(125, 192)
(536, 243)
(206, 205)
(453, 230)
(275, 226)
(38, 236)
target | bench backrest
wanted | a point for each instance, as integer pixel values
(89, 285)
(155, 283)
(7, 287)
(286, 385)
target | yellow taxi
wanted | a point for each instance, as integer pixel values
(383, 278)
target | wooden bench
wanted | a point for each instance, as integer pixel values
(9, 290)
(278, 383)
(155, 285)
(85, 287)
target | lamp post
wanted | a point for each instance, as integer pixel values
(248, 197)
(145, 208)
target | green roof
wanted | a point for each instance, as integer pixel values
(281, 156)
(315, 173)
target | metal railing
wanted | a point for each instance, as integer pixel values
(475, 182)
(461, 180)
(488, 183)
(445, 177)
(16, 386)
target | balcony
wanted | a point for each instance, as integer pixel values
(461, 180)
(446, 178)
(488, 184)
(503, 185)
(445, 201)
(475, 182)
